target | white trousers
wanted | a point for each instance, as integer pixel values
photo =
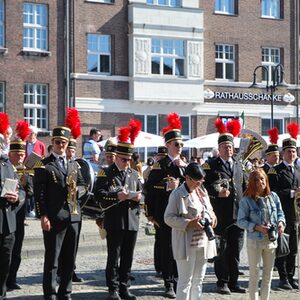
(190, 275)
(258, 249)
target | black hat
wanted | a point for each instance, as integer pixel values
(61, 132)
(225, 138)
(125, 148)
(172, 135)
(162, 150)
(111, 148)
(17, 146)
(272, 148)
(72, 144)
(289, 143)
(195, 171)
(172, 131)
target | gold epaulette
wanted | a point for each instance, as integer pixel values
(206, 166)
(101, 173)
(38, 164)
(272, 171)
(156, 166)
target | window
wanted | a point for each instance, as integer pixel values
(167, 57)
(2, 93)
(225, 62)
(36, 105)
(99, 53)
(35, 31)
(270, 8)
(172, 3)
(266, 124)
(2, 23)
(225, 7)
(270, 59)
(101, 1)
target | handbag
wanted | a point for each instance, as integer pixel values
(283, 248)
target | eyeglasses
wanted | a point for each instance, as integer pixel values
(124, 160)
(178, 144)
(60, 142)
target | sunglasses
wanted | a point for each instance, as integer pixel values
(59, 142)
(178, 144)
(124, 160)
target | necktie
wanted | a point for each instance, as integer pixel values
(228, 165)
(291, 169)
(62, 163)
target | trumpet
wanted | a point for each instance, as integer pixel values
(72, 189)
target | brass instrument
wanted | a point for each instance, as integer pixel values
(72, 189)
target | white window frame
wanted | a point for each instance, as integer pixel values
(2, 24)
(221, 59)
(33, 30)
(270, 59)
(226, 7)
(163, 56)
(270, 9)
(2, 96)
(170, 3)
(102, 1)
(97, 52)
(38, 109)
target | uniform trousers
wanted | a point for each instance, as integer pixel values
(6, 245)
(227, 266)
(191, 273)
(120, 249)
(60, 240)
(157, 250)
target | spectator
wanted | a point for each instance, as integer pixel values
(35, 145)
(136, 164)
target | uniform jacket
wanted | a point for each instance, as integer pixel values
(51, 190)
(224, 208)
(282, 181)
(157, 196)
(123, 215)
(7, 209)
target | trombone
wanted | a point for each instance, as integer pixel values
(72, 191)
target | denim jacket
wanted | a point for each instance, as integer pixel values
(251, 213)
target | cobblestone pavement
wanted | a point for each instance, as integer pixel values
(91, 265)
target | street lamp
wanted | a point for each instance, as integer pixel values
(276, 80)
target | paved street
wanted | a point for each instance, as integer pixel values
(91, 263)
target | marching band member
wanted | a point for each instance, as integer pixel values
(225, 183)
(118, 188)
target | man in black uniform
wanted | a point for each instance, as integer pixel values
(165, 176)
(9, 203)
(58, 185)
(272, 157)
(225, 183)
(118, 189)
(285, 181)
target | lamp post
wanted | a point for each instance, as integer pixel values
(276, 80)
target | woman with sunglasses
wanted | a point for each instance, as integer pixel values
(189, 211)
(260, 213)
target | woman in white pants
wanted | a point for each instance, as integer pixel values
(188, 207)
(260, 209)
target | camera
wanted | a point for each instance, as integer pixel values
(206, 223)
(272, 233)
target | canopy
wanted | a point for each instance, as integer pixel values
(207, 141)
(144, 139)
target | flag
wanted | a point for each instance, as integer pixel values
(242, 119)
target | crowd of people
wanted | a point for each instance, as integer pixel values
(201, 209)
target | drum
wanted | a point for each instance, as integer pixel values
(88, 205)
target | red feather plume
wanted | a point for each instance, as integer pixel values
(273, 135)
(135, 127)
(22, 130)
(73, 122)
(4, 122)
(220, 125)
(293, 129)
(124, 133)
(174, 122)
(234, 127)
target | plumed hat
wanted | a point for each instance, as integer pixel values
(291, 142)
(229, 131)
(273, 136)
(173, 130)
(22, 132)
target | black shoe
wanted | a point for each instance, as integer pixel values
(127, 295)
(113, 295)
(75, 278)
(294, 284)
(12, 286)
(131, 277)
(238, 289)
(285, 285)
(223, 289)
(169, 293)
(241, 273)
